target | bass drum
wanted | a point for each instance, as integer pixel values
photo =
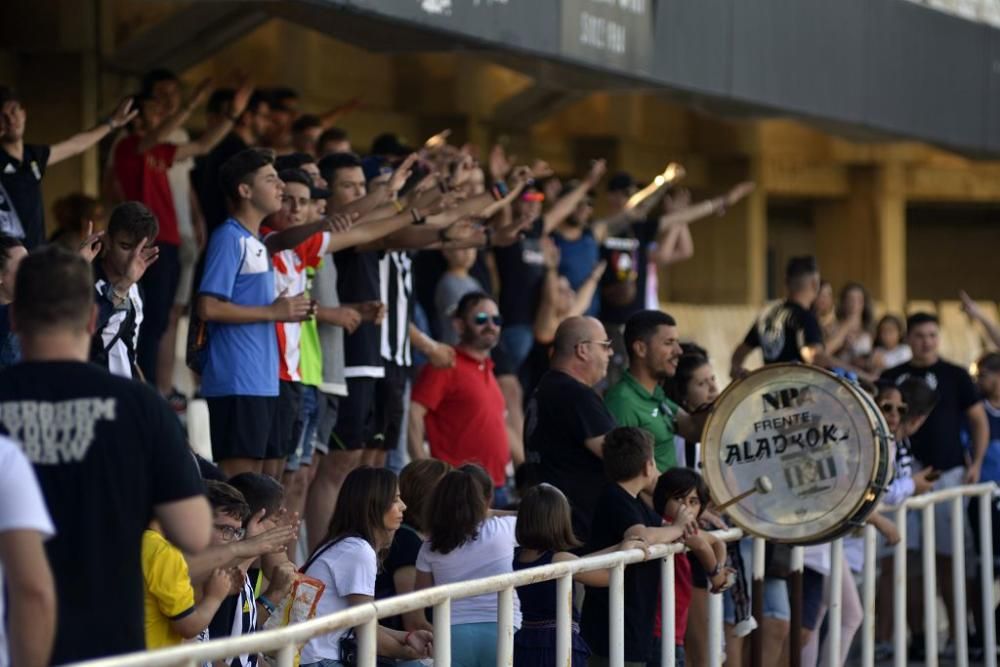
(820, 440)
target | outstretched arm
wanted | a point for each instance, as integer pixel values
(84, 140)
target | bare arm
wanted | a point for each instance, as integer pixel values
(206, 142)
(690, 426)
(565, 206)
(291, 237)
(186, 523)
(191, 625)
(595, 445)
(674, 244)
(585, 295)
(979, 429)
(361, 235)
(740, 355)
(415, 431)
(213, 309)
(546, 320)
(973, 310)
(82, 141)
(404, 579)
(32, 596)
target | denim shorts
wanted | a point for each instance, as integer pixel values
(776, 604)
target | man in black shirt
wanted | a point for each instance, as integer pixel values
(788, 331)
(22, 166)
(109, 455)
(565, 421)
(938, 443)
(248, 129)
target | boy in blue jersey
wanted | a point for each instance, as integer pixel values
(236, 300)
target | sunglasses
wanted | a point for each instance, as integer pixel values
(482, 318)
(891, 407)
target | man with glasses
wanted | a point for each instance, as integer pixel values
(638, 398)
(461, 409)
(565, 421)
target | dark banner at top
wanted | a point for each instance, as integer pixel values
(616, 33)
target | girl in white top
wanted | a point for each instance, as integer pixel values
(467, 542)
(890, 350)
(367, 515)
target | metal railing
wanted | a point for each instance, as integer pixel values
(983, 493)
(282, 642)
(365, 617)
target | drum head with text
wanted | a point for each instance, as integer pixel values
(812, 435)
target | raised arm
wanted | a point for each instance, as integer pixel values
(80, 142)
(567, 203)
(214, 134)
(973, 310)
(160, 134)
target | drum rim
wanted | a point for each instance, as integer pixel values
(873, 415)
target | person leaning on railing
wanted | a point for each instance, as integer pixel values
(369, 511)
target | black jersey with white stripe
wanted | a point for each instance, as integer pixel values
(396, 280)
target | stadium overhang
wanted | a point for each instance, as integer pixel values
(876, 69)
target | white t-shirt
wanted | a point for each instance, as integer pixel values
(179, 176)
(492, 552)
(347, 568)
(22, 507)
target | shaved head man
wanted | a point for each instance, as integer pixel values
(566, 420)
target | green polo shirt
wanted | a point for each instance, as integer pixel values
(632, 405)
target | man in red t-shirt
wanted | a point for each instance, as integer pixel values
(461, 409)
(141, 161)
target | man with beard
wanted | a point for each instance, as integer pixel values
(638, 398)
(461, 409)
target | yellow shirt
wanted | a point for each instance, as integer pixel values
(169, 595)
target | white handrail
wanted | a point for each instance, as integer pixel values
(366, 616)
(439, 597)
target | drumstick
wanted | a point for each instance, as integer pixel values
(761, 485)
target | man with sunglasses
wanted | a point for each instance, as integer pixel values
(461, 409)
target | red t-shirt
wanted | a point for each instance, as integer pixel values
(465, 414)
(143, 178)
(683, 584)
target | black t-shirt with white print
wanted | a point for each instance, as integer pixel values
(782, 331)
(358, 280)
(938, 443)
(106, 450)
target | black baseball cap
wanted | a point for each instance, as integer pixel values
(389, 144)
(621, 181)
(8, 94)
(303, 178)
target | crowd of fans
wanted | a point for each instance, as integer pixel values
(422, 366)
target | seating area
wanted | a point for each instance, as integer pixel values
(719, 329)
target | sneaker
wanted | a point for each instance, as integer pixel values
(177, 401)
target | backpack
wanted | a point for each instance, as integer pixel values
(196, 353)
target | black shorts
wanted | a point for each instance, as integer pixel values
(240, 426)
(327, 408)
(812, 597)
(286, 427)
(389, 409)
(355, 415)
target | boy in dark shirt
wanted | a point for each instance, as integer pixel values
(621, 514)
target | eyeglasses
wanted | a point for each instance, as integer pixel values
(482, 318)
(892, 407)
(229, 533)
(606, 344)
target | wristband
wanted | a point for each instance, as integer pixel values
(110, 122)
(417, 218)
(443, 235)
(267, 604)
(399, 205)
(717, 570)
(499, 190)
